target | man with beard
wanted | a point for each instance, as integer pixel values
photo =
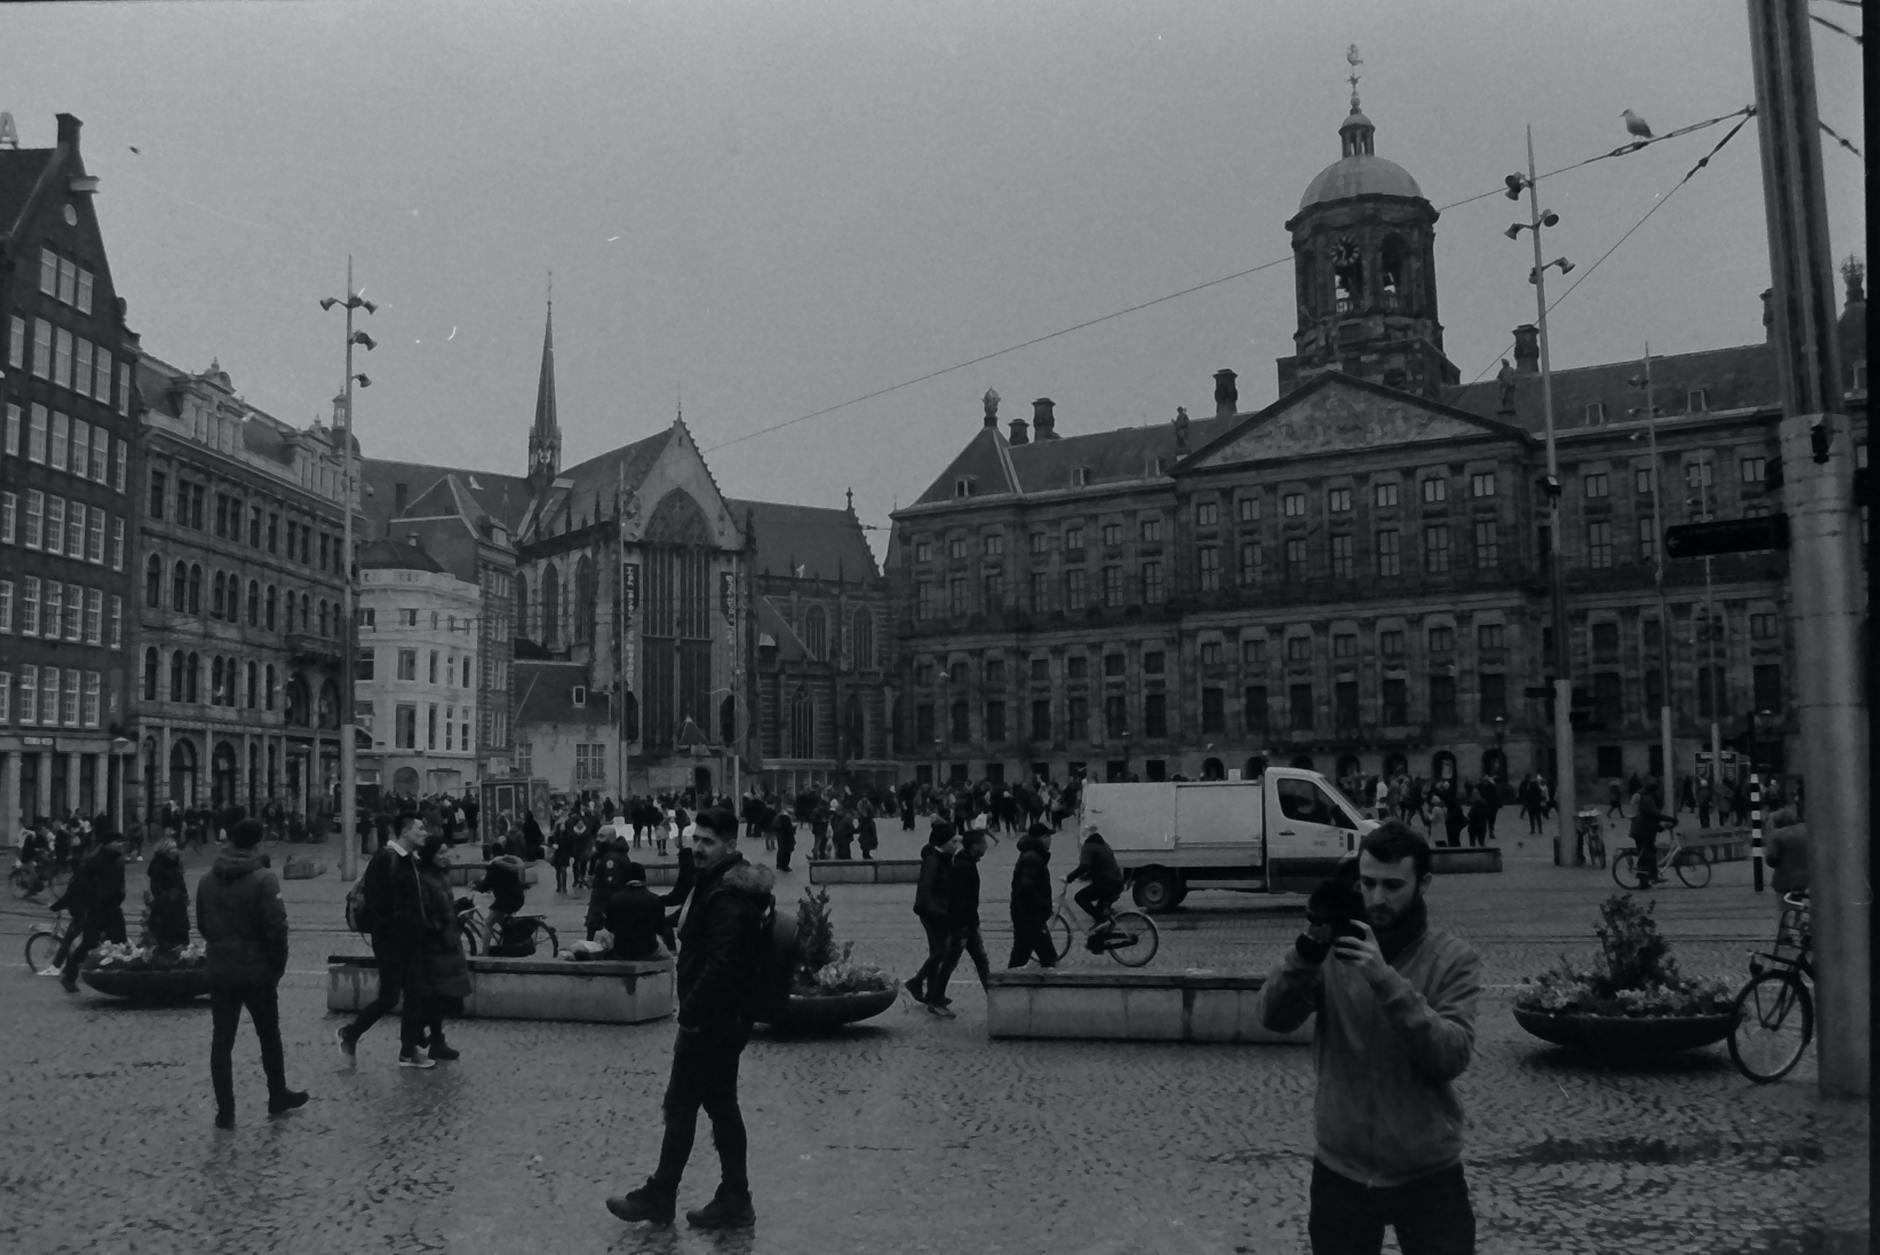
(1396, 1026)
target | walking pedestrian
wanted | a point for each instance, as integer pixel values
(1395, 1027)
(930, 903)
(784, 829)
(721, 945)
(394, 919)
(96, 900)
(446, 971)
(962, 923)
(1031, 899)
(244, 927)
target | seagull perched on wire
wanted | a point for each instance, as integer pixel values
(1636, 125)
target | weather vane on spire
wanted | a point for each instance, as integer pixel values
(1354, 61)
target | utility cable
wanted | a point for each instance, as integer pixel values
(1621, 151)
(1845, 143)
(1839, 30)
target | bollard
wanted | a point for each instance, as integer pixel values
(1755, 831)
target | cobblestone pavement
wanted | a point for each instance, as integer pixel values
(910, 1134)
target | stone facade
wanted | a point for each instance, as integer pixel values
(419, 673)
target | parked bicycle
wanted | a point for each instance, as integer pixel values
(1129, 936)
(1691, 865)
(29, 880)
(1775, 1012)
(521, 934)
(1587, 827)
(44, 942)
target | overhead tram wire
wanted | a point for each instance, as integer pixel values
(1839, 30)
(1837, 138)
(1657, 204)
(1624, 150)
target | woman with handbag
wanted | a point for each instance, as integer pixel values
(444, 971)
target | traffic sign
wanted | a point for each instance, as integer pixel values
(1702, 540)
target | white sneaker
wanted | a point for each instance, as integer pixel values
(416, 1059)
(49, 970)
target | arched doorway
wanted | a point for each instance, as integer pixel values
(405, 782)
(1256, 767)
(183, 773)
(701, 785)
(222, 774)
(1213, 769)
(1396, 765)
(1443, 765)
(1301, 761)
(1494, 764)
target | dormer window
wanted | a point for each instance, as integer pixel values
(963, 486)
(578, 697)
(1595, 413)
(1697, 400)
(1080, 477)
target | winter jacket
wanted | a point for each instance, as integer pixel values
(963, 892)
(1386, 1053)
(638, 922)
(98, 884)
(1097, 863)
(169, 900)
(446, 969)
(242, 920)
(394, 900)
(1032, 895)
(502, 879)
(719, 960)
(930, 895)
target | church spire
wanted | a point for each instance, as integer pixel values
(545, 436)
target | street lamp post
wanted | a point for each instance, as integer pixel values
(349, 636)
(1566, 848)
(1664, 607)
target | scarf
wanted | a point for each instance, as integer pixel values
(1394, 940)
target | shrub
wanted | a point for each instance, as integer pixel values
(823, 967)
(1634, 975)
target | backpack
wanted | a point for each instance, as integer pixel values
(358, 915)
(772, 949)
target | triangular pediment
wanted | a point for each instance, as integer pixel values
(1338, 414)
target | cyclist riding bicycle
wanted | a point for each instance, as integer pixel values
(502, 879)
(1647, 820)
(1096, 862)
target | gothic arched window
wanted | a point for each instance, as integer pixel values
(802, 725)
(585, 595)
(551, 606)
(864, 640)
(522, 605)
(816, 633)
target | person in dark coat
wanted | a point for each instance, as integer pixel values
(842, 832)
(962, 924)
(720, 946)
(930, 903)
(446, 978)
(395, 912)
(96, 900)
(603, 876)
(1032, 899)
(168, 898)
(637, 918)
(866, 835)
(784, 829)
(244, 925)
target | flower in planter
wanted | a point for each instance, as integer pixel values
(822, 967)
(1634, 976)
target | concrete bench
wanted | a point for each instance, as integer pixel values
(1199, 1006)
(864, 871)
(462, 875)
(606, 992)
(1462, 860)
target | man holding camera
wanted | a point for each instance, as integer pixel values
(1396, 1025)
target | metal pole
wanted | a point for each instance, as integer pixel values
(1755, 823)
(1567, 852)
(348, 768)
(1827, 582)
(1666, 761)
(1707, 486)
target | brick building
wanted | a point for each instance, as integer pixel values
(1356, 576)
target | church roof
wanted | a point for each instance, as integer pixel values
(385, 555)
(998, 467)
(504, 497)
(807, 542)
(545, 695)
(774, 629)
(582, 493)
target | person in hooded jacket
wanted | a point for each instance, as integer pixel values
(1032, 899)
(930, 904)
(637, 918)
(96, 900)
(396, 914)
(720, 951)
(168, 898)
(962, 923)
(446, 980)
(1395, 1026)
(244, 925)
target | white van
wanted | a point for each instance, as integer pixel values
(1284, 831)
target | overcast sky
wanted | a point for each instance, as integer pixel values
(771, 209)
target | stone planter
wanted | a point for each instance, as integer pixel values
(148, 986)
(1622, 1037)
(824, 1013)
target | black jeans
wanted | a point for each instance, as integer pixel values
(104, 923)
(1032, 937)
(935, 926)
(1097, 900)
(226, 1003)
(1431, 1215)
(705, 1074)
(399, 974)
(1647, 854)
(961, 939)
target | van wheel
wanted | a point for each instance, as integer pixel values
(1157, 890)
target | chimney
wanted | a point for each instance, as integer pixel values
(1021, 431)
(1527, 349)
(1226, 394)
(1043, 421)
(1769, 314)
(68, 131)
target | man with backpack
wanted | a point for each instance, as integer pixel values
(388, 905)
(722, 945)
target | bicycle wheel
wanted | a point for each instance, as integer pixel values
(1134, 938)
(1692, 868)
(57, 879)
(1061, 935)
(1775, 1018)
(1625, 870)
(543, 933)
(23, 883)
(467, 937)
(1596, 849)
(40, 947)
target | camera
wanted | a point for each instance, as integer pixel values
(1338, 902)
